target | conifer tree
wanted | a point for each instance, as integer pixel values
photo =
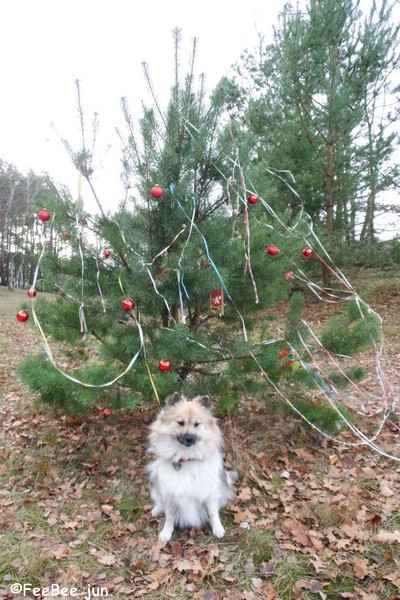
(323, 107)
(177, 289)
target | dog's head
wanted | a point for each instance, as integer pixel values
(185, 429)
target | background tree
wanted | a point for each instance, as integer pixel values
(20, 196)
(322, 109)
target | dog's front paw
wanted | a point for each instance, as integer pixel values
(165, 535)
(218, 531)
(156, 511)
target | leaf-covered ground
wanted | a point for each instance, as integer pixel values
(311, 519)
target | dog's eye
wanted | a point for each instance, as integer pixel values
(196, 424)
(181, 423)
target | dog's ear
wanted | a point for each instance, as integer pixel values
(173, 399)
(205, 401)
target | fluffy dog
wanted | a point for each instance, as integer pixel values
(188, 482)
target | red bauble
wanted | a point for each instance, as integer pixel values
(32, 293)
(106, 412)
(307, 252)
(128, 304)
(164, 365)
(44, 215)
(252, 199)
(289, 275)
(66, 235)
(272, 250)
(107, 253)
(284, 353)
(156, 191)
(22, 316)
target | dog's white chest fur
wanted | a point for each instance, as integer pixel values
(190, 479)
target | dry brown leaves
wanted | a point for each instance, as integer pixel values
(335, 510)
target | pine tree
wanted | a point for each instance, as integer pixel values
(195, 267)
(314, 110)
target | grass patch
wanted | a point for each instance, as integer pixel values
(326, 515)
(24, 561)
(340, 585)
(290, 568)
(259, 546)
(130, 508)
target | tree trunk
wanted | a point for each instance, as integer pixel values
(326, 274)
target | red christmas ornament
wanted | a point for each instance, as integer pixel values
(66, 235)
(284, 353)
(106, 412)
(252, 199)
(32, 293)
(164, 365)
(44, 215)
(217, 300)
(22, 316)
(307, 252)
(156, 191)
(289, 275)
(272, 250)
(107, 253)
(128, 304)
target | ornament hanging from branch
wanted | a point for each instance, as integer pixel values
(44, 215)
(217, 301)
(272, 250)
(128, 304)
(164, 365)
(22, 316)
(157, 191)
(252, 199)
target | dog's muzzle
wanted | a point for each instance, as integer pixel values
(187, 439)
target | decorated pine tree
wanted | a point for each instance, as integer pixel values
(194, 284)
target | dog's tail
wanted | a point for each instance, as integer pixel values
(232, 477)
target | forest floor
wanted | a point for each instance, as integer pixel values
(311, 518)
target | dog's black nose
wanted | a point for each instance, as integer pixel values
(187, 439)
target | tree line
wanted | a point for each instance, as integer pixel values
(20, 231)
(317, 107)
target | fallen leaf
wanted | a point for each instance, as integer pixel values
(361, 569)
(271, 593)
(107, 559)
(297, 530)
(185, 564)
(249, 567)
(353, 532)
(228, 577)
(299, 586)
(61, 552)
(159, 577)
(256, 583)
(244, 495)
(387, 537)
(386, 491)
(138, 565)
(268, 569)
(394, 578)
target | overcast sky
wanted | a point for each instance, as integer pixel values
(46, 44)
